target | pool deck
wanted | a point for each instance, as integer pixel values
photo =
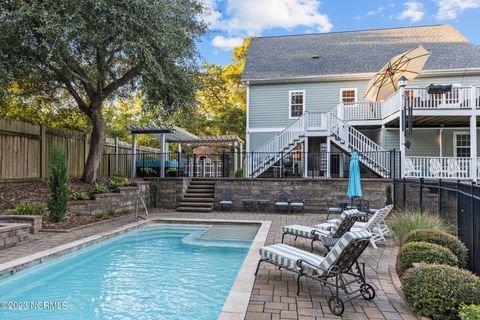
(274, 291)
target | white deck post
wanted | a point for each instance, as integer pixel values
(162, 153)
(305, 161)
(134, 155)
(235, 158)
(329, 157)
(473, 135)
(241, 155)
(342, 163)
(402, 132)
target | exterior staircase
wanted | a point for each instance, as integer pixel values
(199, 196)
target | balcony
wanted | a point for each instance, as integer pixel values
(453, 168)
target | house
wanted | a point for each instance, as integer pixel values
(306, 113)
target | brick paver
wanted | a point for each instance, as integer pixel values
(274, 294)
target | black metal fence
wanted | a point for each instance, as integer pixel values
(456, 202)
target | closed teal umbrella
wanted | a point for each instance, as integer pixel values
(354, 185)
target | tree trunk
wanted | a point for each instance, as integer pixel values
(96, 146)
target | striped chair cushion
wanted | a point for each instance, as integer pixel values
(344, 241)
(226, 202)
(281, 204)
(301, 231)
(287, 256)
(338, 222)
(327, 225)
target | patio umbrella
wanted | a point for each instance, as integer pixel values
(408, 64)
(354, 185)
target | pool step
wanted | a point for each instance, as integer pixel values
(199, 196)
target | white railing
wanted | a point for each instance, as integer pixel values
(371, 154)
(419, 98)
(363, 110)
(391, 105)
(437, 167)
(477, 97)
(317, 121)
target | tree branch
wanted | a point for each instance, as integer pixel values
(117, 83)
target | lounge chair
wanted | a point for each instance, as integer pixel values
(339, 268)
(338, 229)
(375, 225)
(297, 202)
(282, 201)
(226, 200)
(332, 209)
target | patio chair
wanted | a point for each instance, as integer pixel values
(339, 269)
(297, 201)
(281, 201)
(410, 169)
(226, 200)
(338, 229)
(332, 209)
(375, 225)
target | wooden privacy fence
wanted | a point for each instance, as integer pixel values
(25, 150)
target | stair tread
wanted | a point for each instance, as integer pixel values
(189, 209)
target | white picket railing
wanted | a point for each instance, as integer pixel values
(317, 121)
(363, 110)
(419, 98)
(438, 167)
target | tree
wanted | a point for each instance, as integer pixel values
(100, 50)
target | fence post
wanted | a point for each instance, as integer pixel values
(108, 164)
(194, 165)
(43, 153)
(179, 157)
(421, 195)
(404, 193)
(439, 196)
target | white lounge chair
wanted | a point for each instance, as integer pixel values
(338, 269)
(376, 225)
(338, 229)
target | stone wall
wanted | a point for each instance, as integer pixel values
(119, 201)
(13, 233)
(168, 192)
(34, 221)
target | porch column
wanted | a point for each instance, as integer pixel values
(402, 132)
(329, 157)
(342, 163)
(305, 161)
(473, 135)
(235, 158)
(162, 155)
(134, 155)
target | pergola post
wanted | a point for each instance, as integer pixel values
(162, 155)
(134, 155)
(235, 158)
(241, 155)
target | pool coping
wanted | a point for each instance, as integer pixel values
(236, 304)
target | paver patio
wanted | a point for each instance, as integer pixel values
(274, 293)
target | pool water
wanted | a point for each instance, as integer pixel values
(156, 272)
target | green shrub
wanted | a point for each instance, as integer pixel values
(415, 252)
(58, 185)
(437, 290)
(469, 312)
(29, 208)
(79, 195)
(239, 173)
(100, 215)
(407, 221)
(118, 182)
(441, 238)
(99, 188)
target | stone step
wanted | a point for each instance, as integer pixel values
(199, 195)
(201, 186)
(197, 204)
(206, 199)
(205, 182)
(192, 209)
(210, 191)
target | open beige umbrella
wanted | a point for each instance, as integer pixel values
(408, 64)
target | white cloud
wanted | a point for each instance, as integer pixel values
(451, 9)
(414, 11)
(250, 17)
(226, 44)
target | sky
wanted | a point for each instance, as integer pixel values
(232, 20)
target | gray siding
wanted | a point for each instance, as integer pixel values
(257, 139)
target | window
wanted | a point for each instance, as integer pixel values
(297, 103)
(348, 95)
(461, 144)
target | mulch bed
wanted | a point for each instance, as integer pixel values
(76, 220)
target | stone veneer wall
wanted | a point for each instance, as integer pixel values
(13, 233)
(119, 201)
(34, 221)
(168, 192)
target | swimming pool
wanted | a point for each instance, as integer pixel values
(155, 272)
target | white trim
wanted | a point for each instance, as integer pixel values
(290, 92)
(455, 134)
(247, 137)
(348, 89)
(259, 130)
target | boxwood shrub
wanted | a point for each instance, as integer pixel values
(469, 312)
(437, 291)
(441, 238)
(414, 252)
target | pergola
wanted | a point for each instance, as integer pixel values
(173, 134)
